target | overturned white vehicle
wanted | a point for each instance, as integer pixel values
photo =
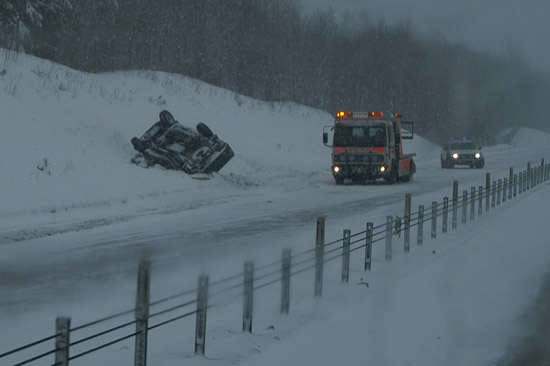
(170, 144)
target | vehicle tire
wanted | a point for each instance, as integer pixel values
(167, 118)
(443, 165)
(391, 178)
(204, 130)
(480, 165)
(200, 153)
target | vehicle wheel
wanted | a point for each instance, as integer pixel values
(443, 165)
(204, 130)
(480, 165)
(391, 178)
(339, 180)
(200, 153)
(167, 118)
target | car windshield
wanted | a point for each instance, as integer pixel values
(359, 136)
(462, 146)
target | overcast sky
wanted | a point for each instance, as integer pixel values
(492, 25)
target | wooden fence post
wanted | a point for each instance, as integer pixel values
(368, 246)
(407, 219)
(345, 255)
(504, 187)
(142, 312)
(515, 185)
(434, 220)
(62, 341)
(389, 225)
(202, 307)
(248, 303)
(420, 227)
(319, 256)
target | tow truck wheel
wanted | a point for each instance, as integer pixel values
(339, 180)
(391, 178)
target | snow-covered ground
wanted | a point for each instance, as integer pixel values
(76, 215)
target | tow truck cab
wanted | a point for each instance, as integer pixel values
(367, 146)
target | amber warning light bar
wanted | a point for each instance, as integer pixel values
(346, 114)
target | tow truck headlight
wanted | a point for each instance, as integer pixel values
(478, 155)
(455, 156)
(336, 169)
(382, 169)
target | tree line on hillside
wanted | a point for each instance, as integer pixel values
(271, 50)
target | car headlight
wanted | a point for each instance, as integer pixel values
(336, 169)
(382, 169)
(455, 156)
(478, 155)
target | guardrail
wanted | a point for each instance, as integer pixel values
(150, 315)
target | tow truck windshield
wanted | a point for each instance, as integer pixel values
(359, 136)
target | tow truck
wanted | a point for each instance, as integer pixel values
(367, 146)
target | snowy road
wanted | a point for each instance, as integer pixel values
(71, 262)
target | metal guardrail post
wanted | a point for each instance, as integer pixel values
(445, 213)
(499, 189)
(285, 281)
(248, 290)
(62, 341)
(407, 222)
(319, 256)
(472, 202)
(510, 181)
(345, 255)
(200, 324)
(528, 175)
(368, 246)
(455, 205)
(420, 227)
(487, 190)
(142, 312)
(389, 225)
(434, 219)
(464, 205)
(480, 201)
(504, 186)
